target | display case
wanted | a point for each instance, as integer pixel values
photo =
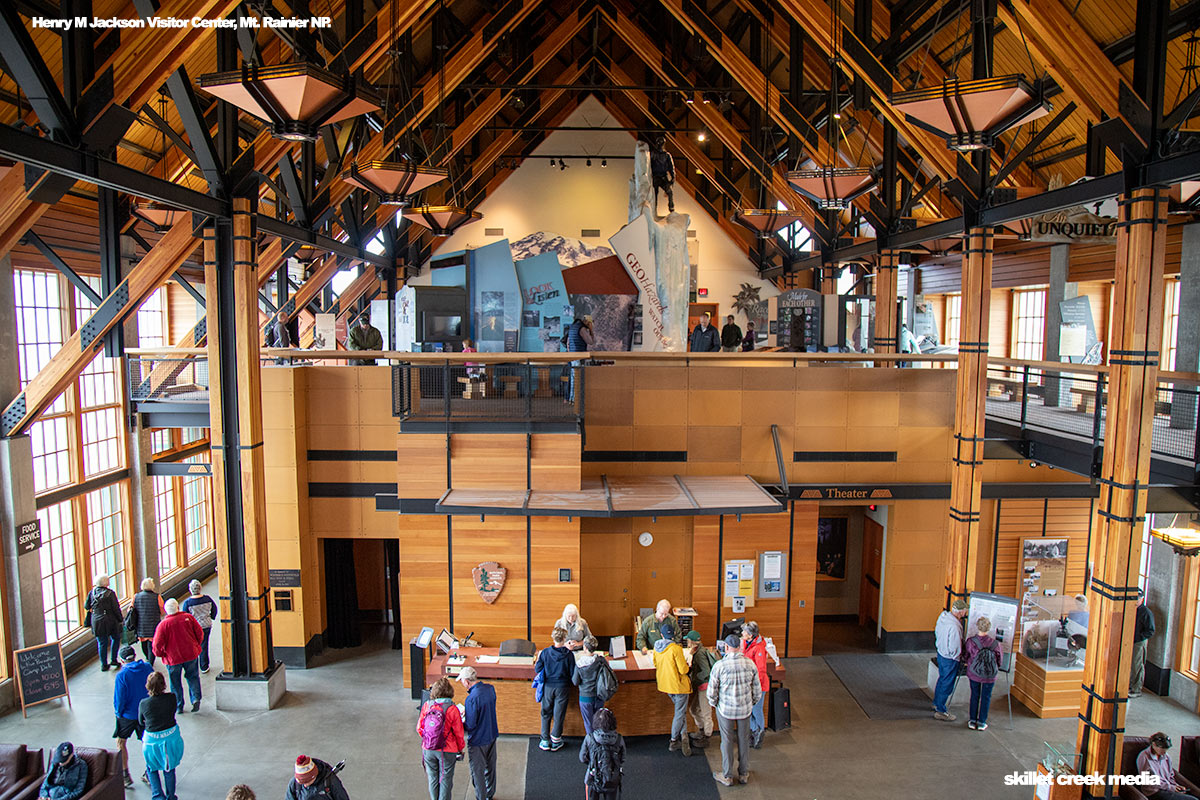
(1054, 631)
(1060, 758)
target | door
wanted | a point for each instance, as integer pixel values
(605, 582)
(872, 560)
(696, 310)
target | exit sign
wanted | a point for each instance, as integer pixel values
(702, 292)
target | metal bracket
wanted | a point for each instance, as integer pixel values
(12, 415)
(106, 313)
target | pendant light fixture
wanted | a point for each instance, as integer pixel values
(160, 216)
(296, 99)
(393, 181)
(765, 222)
(969, 115)
(830, 186)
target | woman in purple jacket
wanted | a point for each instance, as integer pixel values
(982, 655)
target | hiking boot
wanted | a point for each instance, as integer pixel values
(544, 745)
(685, 742)
(744, 779)
(673, 746)
(700, 740)
(944, 716)
(721, 779)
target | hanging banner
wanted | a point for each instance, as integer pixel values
(634, 247)
(544, 303)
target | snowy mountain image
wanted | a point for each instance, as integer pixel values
(571, 252)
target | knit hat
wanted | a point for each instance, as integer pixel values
(306, 770)
(693, 636)
(128, 654)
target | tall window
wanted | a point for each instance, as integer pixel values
(40, 333)
(953, 318)
(796, 235)
(106, 529)
(1171, 325)
(196, 510)
(1029, 322)
(60, 583)
(164, 523)
(99, 405)
(152, 320)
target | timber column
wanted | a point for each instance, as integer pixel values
(887, 332)
(966, 479)
(1121, 508)
(252, 679)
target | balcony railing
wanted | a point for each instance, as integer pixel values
(174, 378)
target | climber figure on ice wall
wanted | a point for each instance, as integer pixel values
(662, 172)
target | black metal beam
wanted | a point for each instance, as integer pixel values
(290, 180)
(204, 153)
(57, 262)
(34, 77)
(73, 162)
(169, 132)
(1180, 21)
(192, 290)
(110, 224)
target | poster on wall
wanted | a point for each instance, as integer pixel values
(406, 324)
(1043, 567)
(738, 582)
(324, 332)
(497, 298)
(831, 548)
(749, 303)
(544, 303)
(1077, 321)
(635, 249)
(1002, 612)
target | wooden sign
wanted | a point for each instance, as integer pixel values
(489, 580)
(41, 675)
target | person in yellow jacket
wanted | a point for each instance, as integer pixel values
(672, 670)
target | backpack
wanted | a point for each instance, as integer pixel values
(604, 768)
(985, 665)
(433, 736)
(606, 682)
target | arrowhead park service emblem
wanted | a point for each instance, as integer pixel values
(489, 580)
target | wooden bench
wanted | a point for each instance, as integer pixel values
(473, 387)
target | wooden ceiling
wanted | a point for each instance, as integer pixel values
(469, 116)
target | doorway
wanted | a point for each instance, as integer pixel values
(846, 600)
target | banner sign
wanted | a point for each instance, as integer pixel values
(544, 303)
(633, 246)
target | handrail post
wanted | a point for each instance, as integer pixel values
(1096, 444)
(446, 386)
(529, 390)
(1196, 439)
(1024, 397)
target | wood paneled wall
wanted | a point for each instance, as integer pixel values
(1033, 519)
(182, 312)
(719, 539)
(914, 561)
(722, 418)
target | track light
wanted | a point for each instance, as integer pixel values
(604, 162)
(701, 136)
(688, 98)
(561, 165)
(589, 162)
(552, 163)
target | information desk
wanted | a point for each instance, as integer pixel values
(640, 708)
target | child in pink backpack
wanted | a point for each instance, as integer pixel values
(441, 730)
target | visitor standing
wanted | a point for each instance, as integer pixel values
(556, 664)
(703, 660)
(177, 643)
(750, 340)
(731, 336)
(704, 336)
(590, 668)
(603, 751)
(162, 744)
(671, 670)
(581, 336)
(364, 336)
(948, 635)
(983, 656)
(754, 647)
(129, 690)
(143, 617)
(204, 609)
(479, 723)
(441, 730)
(734, 690)
(313, 779)
(1143, 629)
(104, 618)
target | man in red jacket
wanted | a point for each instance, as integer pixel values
(177, 641)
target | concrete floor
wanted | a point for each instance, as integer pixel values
(351, 705)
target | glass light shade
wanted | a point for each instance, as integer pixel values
(765, 221)
(297, 99)
(442, 220)
(393, 181)
(832, 187)
(970, 114)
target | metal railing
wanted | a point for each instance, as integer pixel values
(1073, 401)
(174, 378)
(515, 391)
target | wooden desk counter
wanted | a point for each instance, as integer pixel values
(640, 708)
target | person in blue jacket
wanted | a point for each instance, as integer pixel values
(557, 665)
(67, 775)
(479, 722)
(129, 689)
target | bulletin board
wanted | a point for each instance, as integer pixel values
(1043, 567)
(737, 580)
